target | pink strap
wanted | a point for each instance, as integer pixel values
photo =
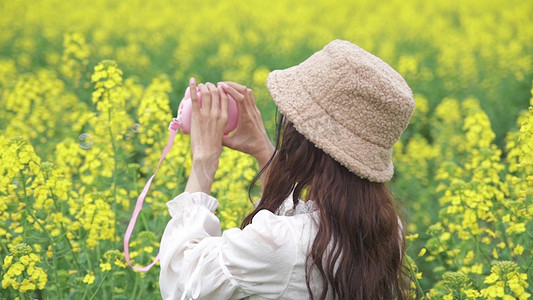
(173, 127)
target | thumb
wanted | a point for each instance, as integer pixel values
(228, 141)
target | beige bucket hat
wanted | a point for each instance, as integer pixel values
(349, 103)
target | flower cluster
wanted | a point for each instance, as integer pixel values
(485, 202)
(22, 270)
(98, 219)
(506, 282)
(458, 285)
(112, 258)
(75, 57)
(85, 103)
(108, 86)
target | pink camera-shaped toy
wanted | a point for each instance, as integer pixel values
(185, 112)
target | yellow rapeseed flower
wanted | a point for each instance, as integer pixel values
(89, 278)
(105, 266)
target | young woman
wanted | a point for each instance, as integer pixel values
(326, 226)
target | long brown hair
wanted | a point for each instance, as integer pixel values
(359, 246)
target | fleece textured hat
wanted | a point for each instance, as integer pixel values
(349, 103)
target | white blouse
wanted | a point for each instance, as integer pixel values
(265, 260)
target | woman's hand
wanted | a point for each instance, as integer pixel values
(207, 129)
(250, 135)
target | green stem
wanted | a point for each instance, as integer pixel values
(417, 283)
(26, 295)
(112, 288)
(134, 181)
(64, 231)
(99, 285)
(85, 292)
(180, 176)
(479, 251)
(505, 238)
(3, 246)
(54, 260)
(439, 256)
(115, 166)
(145, 223)
(142, 288)
(528, 266)
(135, 286)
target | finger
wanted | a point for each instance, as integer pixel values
(206, 97)
(239, 97)
(239, 87)
(223, 102)
(228, 141)
(250, 96)
(215, 99)
(194, 96)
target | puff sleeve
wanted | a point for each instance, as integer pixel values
(199, 262)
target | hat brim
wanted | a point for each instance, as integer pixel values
(312, 120)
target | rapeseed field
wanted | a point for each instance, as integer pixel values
(87, 89)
